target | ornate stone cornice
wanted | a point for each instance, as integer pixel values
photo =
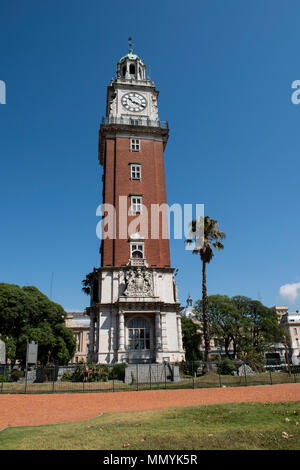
(165, 269)
(139, 305)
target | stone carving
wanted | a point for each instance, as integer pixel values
(245, 370)
(2, 352)
(138, 283)
(113, 104)
(154, 111)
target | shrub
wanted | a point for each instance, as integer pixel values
(66, 377)
(91, 373)
(215, 358)
(49, 372)
(2, 378)
(186, 368)
(78, 374)
(254, 359)
(118, 371)
(226, 367)
(99, 374)
(16, 374)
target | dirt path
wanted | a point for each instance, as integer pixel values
(31, 410)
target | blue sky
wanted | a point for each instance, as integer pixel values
(224, 70)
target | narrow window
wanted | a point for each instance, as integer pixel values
(135, 145)
(136, 204)
(78, 342)
(132, 69)
(135, 172)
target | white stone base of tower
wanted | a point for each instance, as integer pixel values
(137, 318)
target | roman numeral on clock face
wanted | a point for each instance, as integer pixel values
(134, 102)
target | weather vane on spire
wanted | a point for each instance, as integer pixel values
(130, 44)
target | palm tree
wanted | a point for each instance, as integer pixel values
(205, 234)
(87, 283)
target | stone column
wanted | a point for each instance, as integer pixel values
(121, 332)
(92, 336)
(179, 332)
(111, 332)
(158, 331)
(97, 332)
(164, 337)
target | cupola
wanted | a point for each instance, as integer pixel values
(131, 67)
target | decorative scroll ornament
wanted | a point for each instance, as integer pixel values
(138, 283)
(154, 111)
(113, 104)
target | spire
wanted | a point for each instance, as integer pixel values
(131, 67)
(130, 45)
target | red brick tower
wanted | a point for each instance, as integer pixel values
(134, 308)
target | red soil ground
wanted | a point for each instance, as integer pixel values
(33, 410)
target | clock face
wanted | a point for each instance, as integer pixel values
(134, 102)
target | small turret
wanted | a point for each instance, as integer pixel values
(131, 67)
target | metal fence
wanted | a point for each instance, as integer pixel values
(126, 377)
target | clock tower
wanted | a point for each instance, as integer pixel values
(134, 310)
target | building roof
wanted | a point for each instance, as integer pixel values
(77, 319)
(130, 55)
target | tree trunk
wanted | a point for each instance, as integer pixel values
(206, 334)
(234, 349)
(226, 345)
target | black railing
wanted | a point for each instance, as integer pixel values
(134, 121)
(127, 377)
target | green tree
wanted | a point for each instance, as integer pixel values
(25, 315)
(225, 320)
(262, 328)
(205, 235)
(191, 339)
(248, 325)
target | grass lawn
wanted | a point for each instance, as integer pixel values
(223, 426)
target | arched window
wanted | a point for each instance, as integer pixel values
(123, 70)
(132, 69)
(138, 334)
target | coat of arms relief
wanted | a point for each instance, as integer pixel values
(138, 283)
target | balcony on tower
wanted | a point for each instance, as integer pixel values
(134, 121)
(113, 125)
